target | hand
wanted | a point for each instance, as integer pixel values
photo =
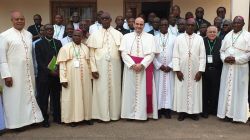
(95, 75)
(198, 76)
(168, 69)
(230, 60)
(64, 84)
(163, 68)
(180, 75)
(8, 81)
(138, 67)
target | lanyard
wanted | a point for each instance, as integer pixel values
(164, 41)
(76, 53)
(234, 40)
(211, 47)
(37, 30)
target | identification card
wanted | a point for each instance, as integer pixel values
(76, 63)
(209, 58)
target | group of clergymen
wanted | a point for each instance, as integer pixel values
(135, 71)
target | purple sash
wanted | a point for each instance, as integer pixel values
(149, 83)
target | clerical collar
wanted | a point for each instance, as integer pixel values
(48, 39)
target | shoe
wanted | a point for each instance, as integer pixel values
(226, 119)
(89, 122)
(167, 114)
(73, 124)
(181, 117)
(195, 117)
(159, 114)
(46, 124)
(204, 115)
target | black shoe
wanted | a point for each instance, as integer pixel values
(195, 117)
(181, 117)
(73, 124)
(226, 119)
(159, 114)
(167, 114)
(46, 124)
(204, 115)
(89, 122)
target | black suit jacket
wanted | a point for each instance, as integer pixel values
(198, 23)
(122, 30)
(34, 30)
(44, 53)
(152, 32)
(217, 63)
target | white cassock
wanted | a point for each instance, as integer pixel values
(164, 81)
(189, 57)
(19, 102)
(66, 40)
(58, 31)
(105, 59)
(94, 27)
(147, 27)
(76, 25)
(134, 98)
(76, 99)
(173, 30)
(233, 96)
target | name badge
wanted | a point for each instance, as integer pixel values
(209, 58)
(76, 63)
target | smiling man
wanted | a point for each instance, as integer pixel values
(105, 63)
(189, 60)
(75, 78)
(17, 72)
(139, 99)
(211, 77)
(235, 53)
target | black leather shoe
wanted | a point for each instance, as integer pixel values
(73, 124)
(89, 122)
(181, 117)
(204, 115)
(167, 114)
(195, 117)
(46, 124)
(159, 114)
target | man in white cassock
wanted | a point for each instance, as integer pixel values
(76, 100)
(139, 99)
(235, 54)
(17, 72)
(189, 61)
(164, 76)
(105, 63)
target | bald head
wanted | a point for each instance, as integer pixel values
(190, 21)
(17, 20)
(238, 23)
(77, 36)
(106, 20)
(138, 25)
(212, 32)
(105, 15)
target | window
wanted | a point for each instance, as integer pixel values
(86, 9)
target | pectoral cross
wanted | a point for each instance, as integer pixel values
(189, 54)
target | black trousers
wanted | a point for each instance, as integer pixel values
(52, 89)
(211, 87)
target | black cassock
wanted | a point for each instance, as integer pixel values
(47, 84)
(211, 76)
